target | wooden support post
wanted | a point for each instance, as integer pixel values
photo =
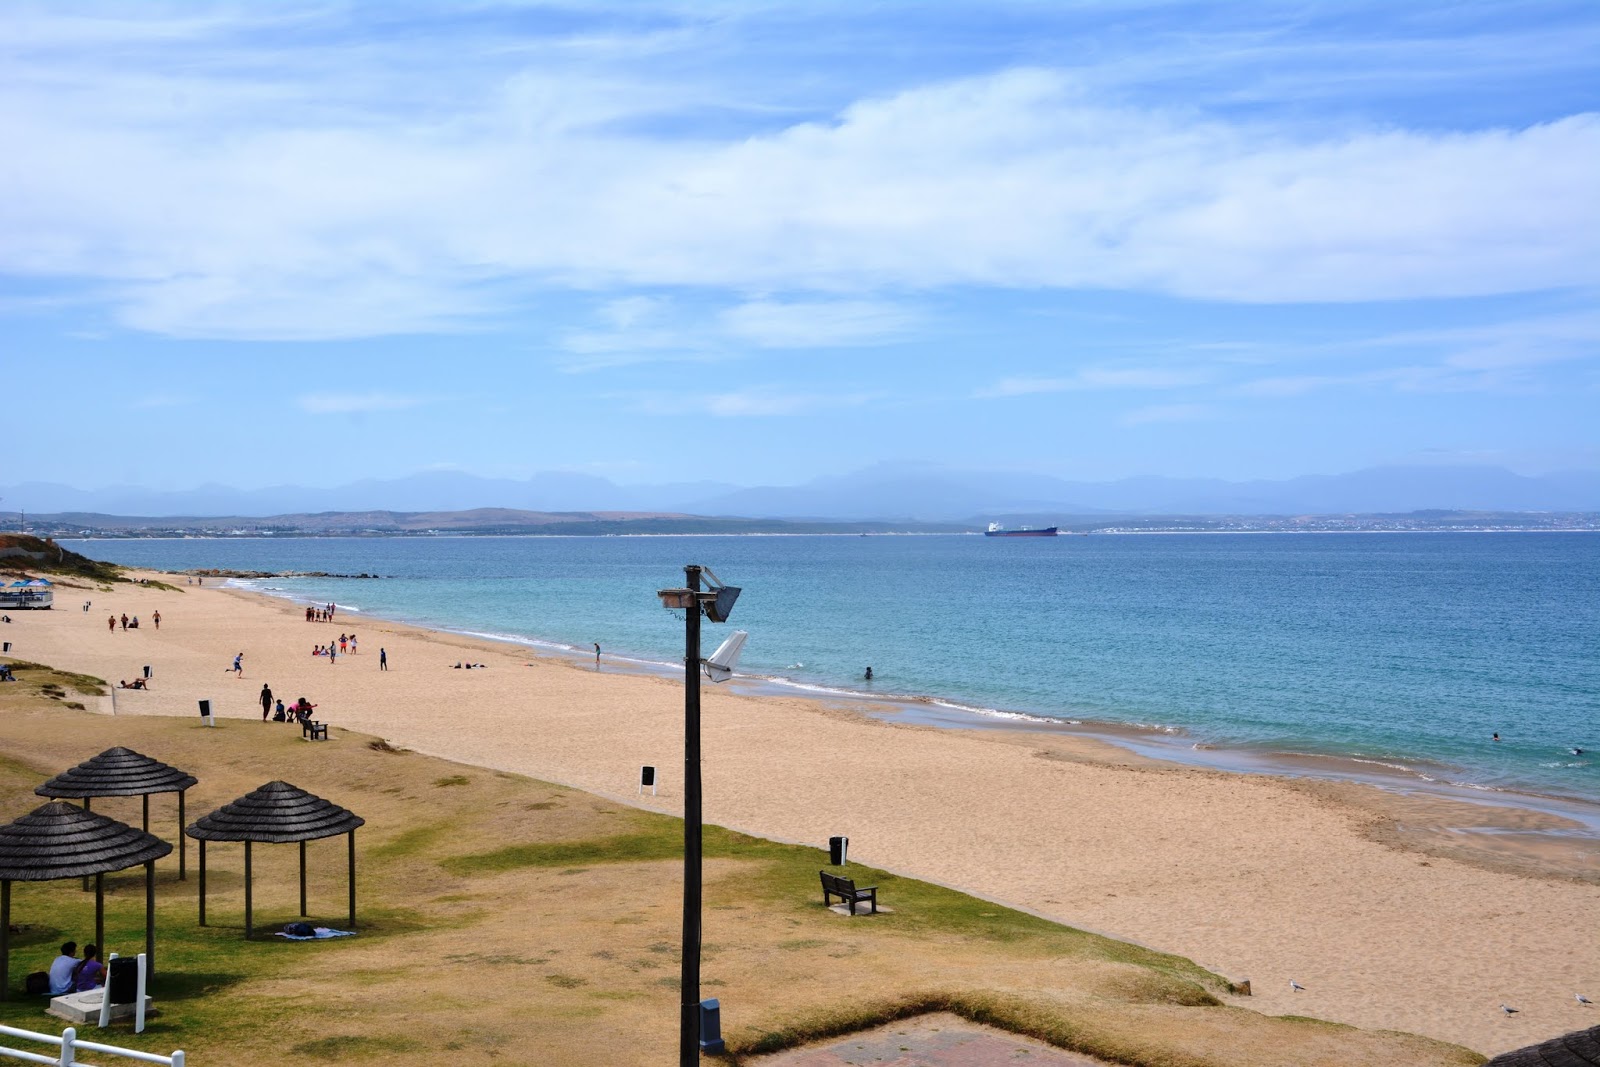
(150, 916)
(100, 912)
(202, 881)
(352, 879)
(146, 798)
(302, 879)
(5, 940)
(248, 900)
(183, 841)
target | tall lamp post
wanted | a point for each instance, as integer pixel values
(716, 603)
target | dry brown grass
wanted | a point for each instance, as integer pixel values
(531, 923)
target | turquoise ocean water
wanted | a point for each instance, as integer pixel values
(1396, 649)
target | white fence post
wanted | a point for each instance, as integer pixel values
(68, 1036)
(105, 994)
(138, 1009)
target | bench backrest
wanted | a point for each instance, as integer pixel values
(834, 884)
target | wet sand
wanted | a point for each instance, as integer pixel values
(1394, 910)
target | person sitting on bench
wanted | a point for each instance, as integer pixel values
(90, 972)
(62, 968)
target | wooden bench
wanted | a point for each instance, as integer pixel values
(845, 889)
(313, 731)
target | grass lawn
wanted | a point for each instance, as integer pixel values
(522, 921)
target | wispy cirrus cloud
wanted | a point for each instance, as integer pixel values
(753, 402)
(818, 323)
(353, 403)
(1099, 378)
(639, 329)
(1158, 413)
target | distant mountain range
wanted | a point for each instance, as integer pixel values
(884, 492)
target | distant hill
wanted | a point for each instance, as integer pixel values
(22, 555)
(904, 492)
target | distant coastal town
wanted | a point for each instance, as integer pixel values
(506, 523)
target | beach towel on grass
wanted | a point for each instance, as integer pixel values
(317, 934)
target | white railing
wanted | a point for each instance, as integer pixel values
(71, 1046)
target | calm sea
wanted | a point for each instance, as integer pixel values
(1403, 649)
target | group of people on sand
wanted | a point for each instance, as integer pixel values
(129, 624)
(299, 711)
(322, 614)
(69, 974)
(346, 645)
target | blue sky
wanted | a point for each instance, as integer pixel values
(308, 243)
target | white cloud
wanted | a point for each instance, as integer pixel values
(642, 329)
(817, 323)
(755, 402)
(1098, 378)
(1168, 413)
(261, 193)
(350, 403)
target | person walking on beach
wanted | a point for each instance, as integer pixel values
(266, 701)
(156, 618)
(124, 622)
(597, 655)
(112, 623)
(383, 659)
(238, 665)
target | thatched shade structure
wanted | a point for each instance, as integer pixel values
(1577, 1049)
(277, 813)
(59, 840)
(122, 772)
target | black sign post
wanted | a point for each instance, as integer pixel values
(647, 778)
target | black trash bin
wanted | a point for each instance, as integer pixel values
(837, 847)
(122, 986)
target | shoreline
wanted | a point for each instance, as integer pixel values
(1372, 900)
(1168, 744)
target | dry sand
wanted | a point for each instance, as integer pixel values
(1254, 876)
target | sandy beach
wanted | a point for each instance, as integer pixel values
(1375, 903)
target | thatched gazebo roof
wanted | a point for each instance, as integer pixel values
(117, 772)
(60, 840)
(1577, 1049)
(277, 813)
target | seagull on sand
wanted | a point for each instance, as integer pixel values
(1296, 987)
(1509, 1010)
(1581, 999)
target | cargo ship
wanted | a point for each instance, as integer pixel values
(996, 530)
